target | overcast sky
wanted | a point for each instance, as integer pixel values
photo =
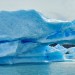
(59, 9)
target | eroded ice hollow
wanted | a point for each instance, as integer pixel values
(25, 36)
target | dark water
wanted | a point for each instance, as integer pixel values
(55, 68)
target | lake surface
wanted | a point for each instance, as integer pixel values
(54, 68)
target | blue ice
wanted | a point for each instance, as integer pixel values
(25, 36)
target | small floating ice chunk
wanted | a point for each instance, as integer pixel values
(61, 48)
(55, 56)
(71, 54)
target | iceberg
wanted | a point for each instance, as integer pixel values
(61, 48)
(25, 36)
(71, 53)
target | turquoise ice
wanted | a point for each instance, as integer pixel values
(25, 36)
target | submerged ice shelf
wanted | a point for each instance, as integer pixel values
(25, 36)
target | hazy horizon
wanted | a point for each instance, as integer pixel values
(59, 9)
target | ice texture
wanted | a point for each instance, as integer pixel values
(25, 36)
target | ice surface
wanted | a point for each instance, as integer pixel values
(61, 48)
(25, 36)
(71, 52)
